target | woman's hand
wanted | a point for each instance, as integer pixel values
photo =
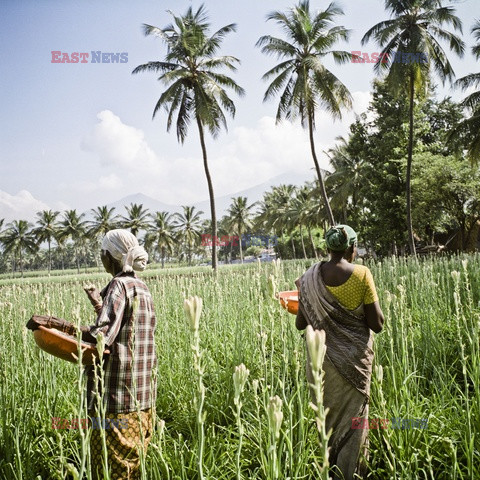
(94, 296)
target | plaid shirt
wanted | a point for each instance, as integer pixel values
(130, 338)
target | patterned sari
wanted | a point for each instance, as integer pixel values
(127, 436)
(347, 367)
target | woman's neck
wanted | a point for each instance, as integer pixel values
(337, 258)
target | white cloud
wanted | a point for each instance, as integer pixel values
(22, 206)
(247, 156)
(361, 100)
(118, 144)
(253, 155)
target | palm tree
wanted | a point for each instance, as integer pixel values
(17, 239)
(73, 226)
(311, 218)
(301, 79)
(471, 125)
(61, 249)
(346, 179)
(161, 235)
(225, 236)
(240, 218)
(299, 213)
(195, 89)
(413, 30)
(103, 221)
(274, 211)
(188, 226)
(46, 230)
(136, 218)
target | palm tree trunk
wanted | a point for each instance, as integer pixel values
(49, 258)
(240, 245)
(77, 259)
(303, 243)
(293, 247)
(312, 242)
(210, 193)
(20, 259)
(163, 257)
(411, 240)
(319, 172)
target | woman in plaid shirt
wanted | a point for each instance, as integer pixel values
(126, 319)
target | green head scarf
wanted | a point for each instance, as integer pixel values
(340, 237)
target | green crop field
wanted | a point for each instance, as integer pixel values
(428, 353)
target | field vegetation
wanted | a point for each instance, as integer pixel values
(426, 367)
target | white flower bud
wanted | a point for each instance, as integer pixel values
(316, 347)
(275, 415)
(193, 310)
(240, 376)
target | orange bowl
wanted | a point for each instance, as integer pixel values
(64, 346)
(289, 301)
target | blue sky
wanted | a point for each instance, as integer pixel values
(82, 135)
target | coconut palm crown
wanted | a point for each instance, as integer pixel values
(195, 89)
(301, 80)
(411, 49)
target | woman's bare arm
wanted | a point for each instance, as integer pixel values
(300, 321)
(374, 316)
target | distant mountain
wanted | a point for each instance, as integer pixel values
(21, 206)
(24, 206)
(253, 194)
(147, 202)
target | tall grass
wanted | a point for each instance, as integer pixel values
(427, 359)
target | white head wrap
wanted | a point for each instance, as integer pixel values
(124, 247)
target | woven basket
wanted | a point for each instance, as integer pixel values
(289, 301)
(64, 346)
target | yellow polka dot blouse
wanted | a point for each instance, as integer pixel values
(358, 289)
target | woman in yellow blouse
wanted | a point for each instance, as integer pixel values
(340, 298)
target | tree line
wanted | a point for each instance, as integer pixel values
(70, 240)
(405, 177)
(197, 92)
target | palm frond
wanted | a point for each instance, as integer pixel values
(276, 47)
(472, 101)
(381, 32)
(456, 44)
(470, 80)
(340, 56)
(155, 67)
(277, 84)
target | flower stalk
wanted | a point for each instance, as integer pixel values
(193, 311)
(317, 349)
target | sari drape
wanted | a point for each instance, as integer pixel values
(347, 367)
